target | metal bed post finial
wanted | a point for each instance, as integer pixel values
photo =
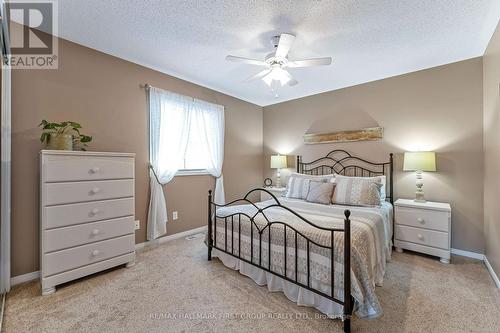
(209, 241)
(298, 164)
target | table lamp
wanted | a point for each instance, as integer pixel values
(419, 162)
(278, 162)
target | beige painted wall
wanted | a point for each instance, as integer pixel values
(436, 109)
(104, 94)
(491, 84)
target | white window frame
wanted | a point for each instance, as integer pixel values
(191, 172)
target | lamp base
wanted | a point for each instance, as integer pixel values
(419, 194)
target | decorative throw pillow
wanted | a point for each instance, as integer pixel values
(357, 191)
(298, 184)
(383, 180)
(320, 192)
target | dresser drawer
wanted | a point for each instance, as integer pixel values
(60, 261)
(423, 218)
(422, 236)
(65, 215)
(62, 238)
(65, 193)
(77, 168)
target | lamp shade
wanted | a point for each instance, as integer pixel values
(278, 162)
(419, 161)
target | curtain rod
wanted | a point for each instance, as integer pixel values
(147, 86)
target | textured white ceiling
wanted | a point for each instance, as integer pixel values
(368, 40)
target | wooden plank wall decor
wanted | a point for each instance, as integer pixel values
(365, 134)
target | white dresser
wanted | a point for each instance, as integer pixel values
(423, 227)
(87, 213)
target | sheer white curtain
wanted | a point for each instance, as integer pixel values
(209, 122)
(170, 118)
(169, 121)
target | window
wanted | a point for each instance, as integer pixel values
(196, 159)
(185, 134)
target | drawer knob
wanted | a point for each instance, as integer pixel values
(95, 253)
(420, 220)
(95, 232)
(95, 190)
(95, 211)
(95, 170)
(420, 237)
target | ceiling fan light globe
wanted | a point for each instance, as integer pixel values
(278, 74)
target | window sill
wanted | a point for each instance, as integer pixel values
(192, 173)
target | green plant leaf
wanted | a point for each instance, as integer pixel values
(85, 138)
(44, 137)
(50, 126)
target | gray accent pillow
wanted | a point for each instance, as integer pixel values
(320, 192)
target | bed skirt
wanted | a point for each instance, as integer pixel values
(299, 295)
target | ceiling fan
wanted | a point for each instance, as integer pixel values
(275, 75)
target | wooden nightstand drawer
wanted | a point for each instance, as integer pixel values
(422, 236)
(423, 218)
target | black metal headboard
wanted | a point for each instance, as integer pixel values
(343, 163)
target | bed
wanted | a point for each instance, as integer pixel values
(304, 249)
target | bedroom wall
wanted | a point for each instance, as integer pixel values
(491, 84)
(103, 93)
(437, 109)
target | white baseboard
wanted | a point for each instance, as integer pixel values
(15, 280)
(492, 272)
(164, 239)
(482, 257)
(468, 254)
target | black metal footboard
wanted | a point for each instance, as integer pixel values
(229, 239)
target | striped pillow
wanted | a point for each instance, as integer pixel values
(357, 191)
(298, 184)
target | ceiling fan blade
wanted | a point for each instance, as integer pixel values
(310, 62)
(284, 45)
(246, 60)
(291, 80)
(259, 75)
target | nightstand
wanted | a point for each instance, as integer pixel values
(423, 227)
(276, 191)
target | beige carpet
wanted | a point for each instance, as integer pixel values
(174, 289)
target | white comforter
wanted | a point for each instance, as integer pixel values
(371, 232)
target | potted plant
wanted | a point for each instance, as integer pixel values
(63, 136)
